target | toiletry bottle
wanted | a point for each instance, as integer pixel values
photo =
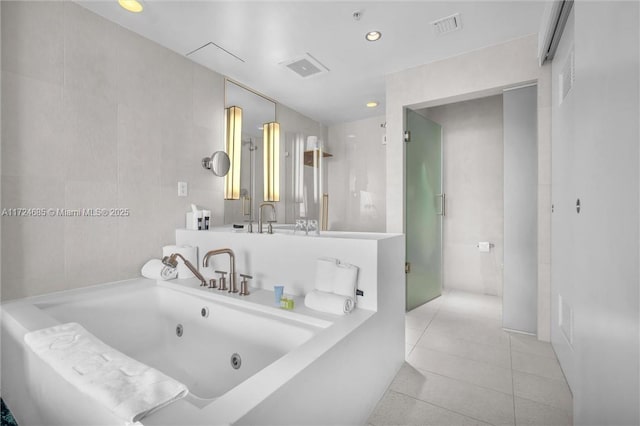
(207, 218)
(199, 220)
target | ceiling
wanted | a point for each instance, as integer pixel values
(264, 34)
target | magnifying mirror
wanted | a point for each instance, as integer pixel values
(218, 163)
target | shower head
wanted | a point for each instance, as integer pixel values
(170, 261)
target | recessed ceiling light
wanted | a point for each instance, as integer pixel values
(131, 5)
(373, 35)
(372, 104)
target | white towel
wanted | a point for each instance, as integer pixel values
(188, 252)
(328, 302)
(129, 389)
(156, 270)
(345, 279)
(325, 274)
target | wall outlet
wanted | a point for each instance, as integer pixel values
(183, 189)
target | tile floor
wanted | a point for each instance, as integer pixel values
(462, 369)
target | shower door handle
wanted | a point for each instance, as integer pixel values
(443, 201)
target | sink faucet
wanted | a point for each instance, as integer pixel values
(172, 262)
(260, 221)
(232, 265)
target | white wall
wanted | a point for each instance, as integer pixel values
(356, 176)
(98, 117)
(595, 252)
(563, 141)
(473, 182)
(475, 74)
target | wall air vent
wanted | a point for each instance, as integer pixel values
(305, 66)
(568, 76)
(447, 24)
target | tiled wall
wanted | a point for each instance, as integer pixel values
(96, 116)
(473, 174)
(356, 176)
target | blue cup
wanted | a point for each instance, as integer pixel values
(278, 289)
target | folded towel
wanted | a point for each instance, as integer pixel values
(328, 302)
(156, 270)
(325, 274)
(129, 389)
(345, 279)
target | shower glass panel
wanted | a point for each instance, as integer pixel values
(424, 209)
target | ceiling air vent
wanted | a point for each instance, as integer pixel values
(305, 66)
(447, 24)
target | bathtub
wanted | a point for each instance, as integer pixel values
(189, 338)
(295, 367)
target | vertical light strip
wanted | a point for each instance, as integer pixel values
(320, 152)
(271, 161)
(298, 169)
(315, 174)
(233, 134)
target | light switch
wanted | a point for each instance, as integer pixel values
(183, 189)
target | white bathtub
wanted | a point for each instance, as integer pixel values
(142, 321)
(307, 359)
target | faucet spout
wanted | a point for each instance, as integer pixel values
(172, 262)
(232, 265)
(260, 221)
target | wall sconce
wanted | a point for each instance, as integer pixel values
(271, 161)
(298, 169)
(232, 135)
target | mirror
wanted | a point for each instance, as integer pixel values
(256, 110)
(306, 172)
(218, 163)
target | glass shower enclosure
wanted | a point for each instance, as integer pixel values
(424, 209)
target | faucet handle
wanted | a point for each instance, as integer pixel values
(222, 280)
(244, 288)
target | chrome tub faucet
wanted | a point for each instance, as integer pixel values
(232, 267)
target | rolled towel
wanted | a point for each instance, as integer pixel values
(325, 273)
(345, 280)
(329, 302)
(188, 252)
(128, 388)
(156, 270)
